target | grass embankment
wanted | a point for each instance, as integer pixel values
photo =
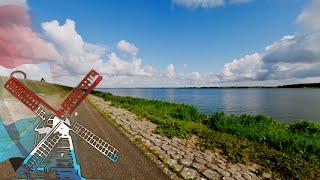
(40, 87)
(288, 150)
(46, 88)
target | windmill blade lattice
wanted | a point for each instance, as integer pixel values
(78, 94)
(102, 146)
(28, 98)
(41, 151)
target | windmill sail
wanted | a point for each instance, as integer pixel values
(28, 98)
(99, 144)
(78, 94)
(41, 151)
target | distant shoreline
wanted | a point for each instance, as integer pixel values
(308, 85)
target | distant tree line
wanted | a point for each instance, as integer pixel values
(309, 85)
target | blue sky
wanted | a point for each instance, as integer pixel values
(202, 38)
(169, 43)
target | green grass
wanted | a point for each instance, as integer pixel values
(288, 150)
(172, 119)
(46, 88)
(300, 137)
(39, 87)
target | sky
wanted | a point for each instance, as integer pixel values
(163, 43)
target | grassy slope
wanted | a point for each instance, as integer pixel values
(39, 87)
(288, 150)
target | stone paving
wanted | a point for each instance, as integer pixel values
(178, 158)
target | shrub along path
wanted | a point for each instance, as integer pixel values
(179, 158)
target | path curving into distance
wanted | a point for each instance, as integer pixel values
(132, 164)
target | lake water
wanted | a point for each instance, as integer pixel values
(282, 104)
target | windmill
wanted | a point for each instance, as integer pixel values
(58, 125)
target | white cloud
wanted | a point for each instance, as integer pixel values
(246, 68)
(292, 59)
(22, 3)
(293, 56)
(296, 56)
(117, 66)
(283, 43)
(207, 3)
(127, 47)
(78, 57)
(194, 76)
(74, 58)
(170, 73)
(309, 19)
(298, 48)
(65, 37)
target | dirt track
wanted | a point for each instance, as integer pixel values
(132, 164)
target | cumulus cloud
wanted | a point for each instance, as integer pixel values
(78, 57)
(170, 73)
(117, 66)
(19, 44)
(59, 48)
(125, 46)
(72, 58)
(296, 56)
(293, 56)
(60, 54)
(292, 59)
(310, 17)
(207, 3)
(193, 78)
(246, 68)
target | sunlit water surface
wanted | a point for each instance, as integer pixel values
(282, 104)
